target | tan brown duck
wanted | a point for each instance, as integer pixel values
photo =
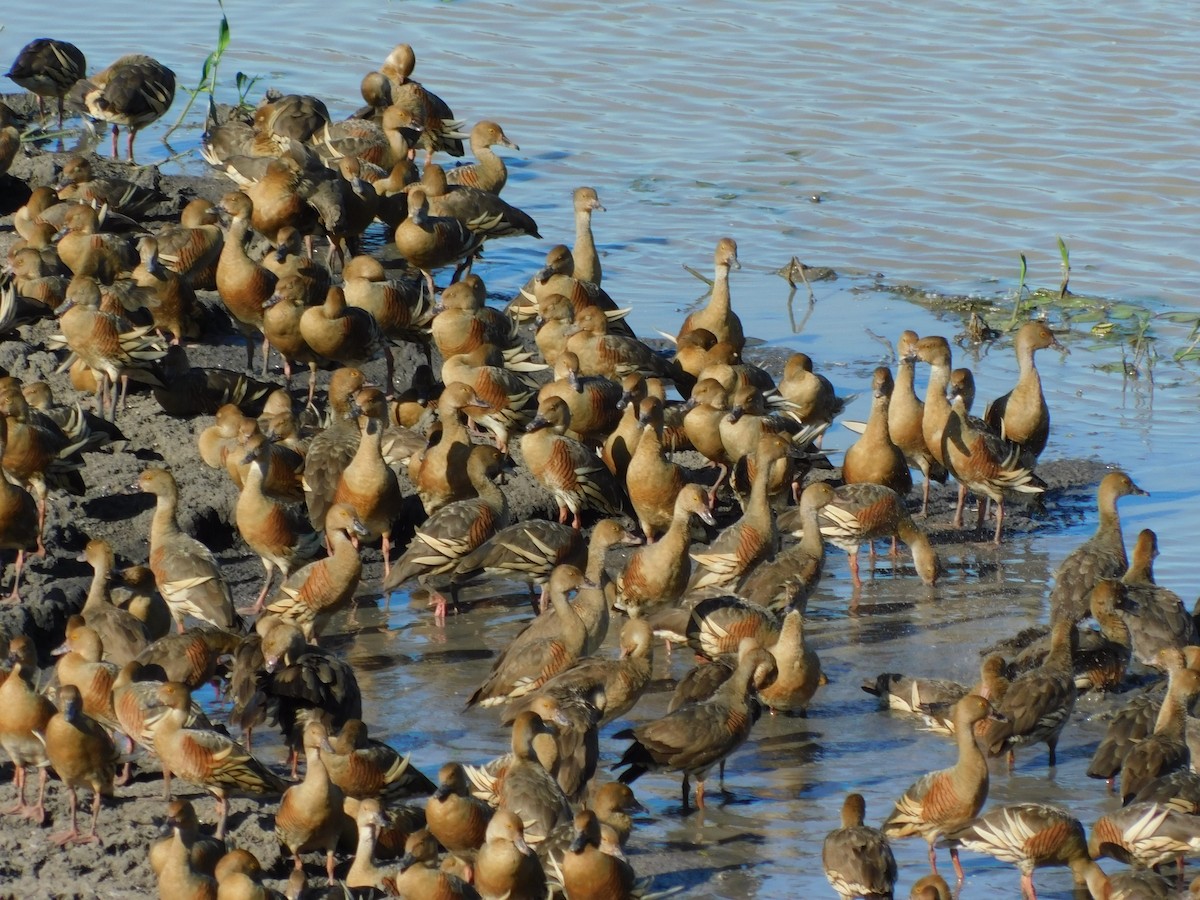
(658, 573)
(208, 758)
(123, 636)
(585, 201)
(310, 813)
(312, 594)
(367, 483)
(944, 801)
(1101, 556)
(82, 755)
(455, 530)
(856, 857)
(429, 242)
(1021, 415)
(529, 662)
(24, 714)
(18, 519)
(133, 91)
(652, 481)
(718, 316)
(787, 579)
(747, 541)
(363, 767)
(330, 451)
(186, 572)
(873, 457)
(565, 467)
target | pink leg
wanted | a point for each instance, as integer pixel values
(958, 510)
(958, 870)
(932, 859)
(71, 835)
(999, 522)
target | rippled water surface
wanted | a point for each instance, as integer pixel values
(942, 140)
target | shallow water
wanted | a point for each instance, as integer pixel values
(941, 144)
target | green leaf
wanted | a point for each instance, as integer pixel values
(1063, 252)
(223, 36)
(1123, 311)
(1024, 268)
(205, 73)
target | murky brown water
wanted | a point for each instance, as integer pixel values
(943, 142)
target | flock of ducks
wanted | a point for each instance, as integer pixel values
(581, 405)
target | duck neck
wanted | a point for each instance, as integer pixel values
(1172, 715)
(811, 540)
(876, 431)
(587, 260)
(719, 302)
(164, 525)
(491, 494)
(935, 391)
(98, 591)
(905, 385)
(757, 506)
(1110, 519)
(971, 761)
(363, 871)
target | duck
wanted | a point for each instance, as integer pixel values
(331, 450)
(37, 458)
(506, 866)
(506, 392)
(787, 579)
(345, 334)
(1144, 834)
(302, 681)
(437, 123)
(798, 669)
(24, 715)
(48, 67)
(192, 246)
(186, 572)
(281, 535)
(592, 399)
(189, 390)
(905, 415)
(622, 681)
(482, 211)
(85, 249)
(866, 512)
(931, 887)
(310, 815)
(281, 315)
(622, 440)
(811, 395)
(718, 317)
(440, 473)
(745, 543)
(1156, 618)
(364, 768)
(943, 801)
(527, 551)
(697, 736)
(82, 664)
(455, 529)
(182, 862)
(244, 285)
(557, 279)
(367, 483)
(1101, 556)
(105, 344)
(1033, 836)
(528, 789)
(133, 91)
(1102, 667)
(189, 658)
(18, 519)
(458, 820)
(530, 661)
(983, 461)
(78, 182)
(873, 457)
(122, 635)
(590, 874)
(651, 480)
(463, 322)
(429, 242)
(208, 758)
(565, 467)
(1022, 416)
(488, 172)
(612, 355)
(1165, 749)
(138, 709)
(658, 574)
(1038, 704)
(857, 859)
(399, 307)
(82, 755)
(584, 202)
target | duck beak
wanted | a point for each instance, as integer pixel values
(733, 263)
(538, 423)
(523, 848)
(735, 414)
(544, 275)
(271, 663)
(706, 516)
(575, 381)
(443, 791)
(578, 843)
(273, 300)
